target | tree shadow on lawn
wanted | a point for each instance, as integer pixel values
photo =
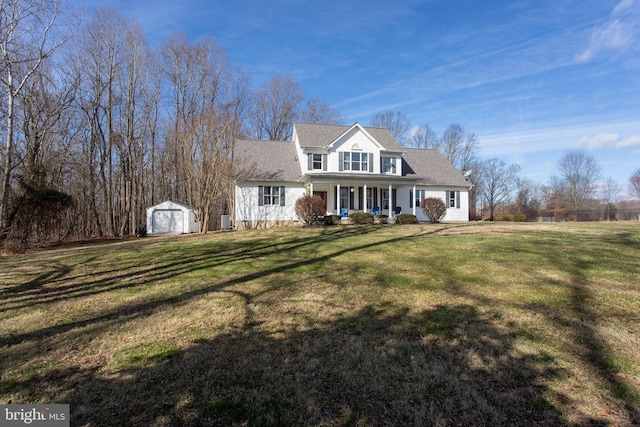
(449, 365)
(203, 258)
(581, 317)
(58, 283)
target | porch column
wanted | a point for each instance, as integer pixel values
(392, 213)
(338, 200)
(311, 187)
(364, 198)
(413, 202)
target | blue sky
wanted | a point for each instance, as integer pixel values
(532, 79)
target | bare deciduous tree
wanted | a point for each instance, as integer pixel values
(31, 30)
(318, 111)
(395, 121)
(424, 137)
(609, 191)
(579, 172)
(210, 99)
(45, 101)
(634, 184)
(459, 147)
(194, 73)
(497, 181)
(528, 198)
(275, 108)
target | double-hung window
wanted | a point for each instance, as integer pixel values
(271, 195)
(370, 197)
(359, 161)
(453, 199)
(316, 161)
(420, 195)
(385, 199)
(344, 198)
(356, 161)
(388, 165)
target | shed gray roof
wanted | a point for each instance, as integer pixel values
(317, 135)
(261, 160)
(433, 167)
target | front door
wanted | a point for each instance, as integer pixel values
(323, 196)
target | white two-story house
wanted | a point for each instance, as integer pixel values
(353, 169)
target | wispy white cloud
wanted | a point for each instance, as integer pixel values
(598, 141)
(616, 34)
(608, 140)
(623, 7)
(558, 137)
(631, 141)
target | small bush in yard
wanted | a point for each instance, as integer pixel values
(308, 208)
(332, 219)
(407, 219)
(380, 219)
(361, 218)
(519, 217)
(434, 208)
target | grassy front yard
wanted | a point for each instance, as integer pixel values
(474, 324)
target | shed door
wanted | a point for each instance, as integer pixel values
(167, 221)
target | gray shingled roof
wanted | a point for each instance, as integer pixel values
(432, 166)
(267, 160)
(316, 135)
(278, 161)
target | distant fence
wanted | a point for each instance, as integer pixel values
(590, 215)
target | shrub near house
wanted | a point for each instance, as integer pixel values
(434, 208)
(309, 208)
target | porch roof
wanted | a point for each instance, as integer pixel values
(358, 178)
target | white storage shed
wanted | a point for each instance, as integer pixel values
(171, 217)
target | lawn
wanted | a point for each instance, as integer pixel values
(469, 324)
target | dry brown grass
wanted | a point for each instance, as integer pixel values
(479, 324)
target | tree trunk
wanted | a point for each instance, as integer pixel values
(6, 183)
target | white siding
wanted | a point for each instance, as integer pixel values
(248, 210)
(171, 217)
(452, 214)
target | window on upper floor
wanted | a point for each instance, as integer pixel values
(356, 161)
(316, 161)
(388, 165)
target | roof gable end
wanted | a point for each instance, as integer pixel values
(358, 128)
(313, 136)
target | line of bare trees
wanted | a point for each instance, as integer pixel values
(98, 126)
(576, 192)
(94, 117)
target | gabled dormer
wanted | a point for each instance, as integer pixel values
(349, 150)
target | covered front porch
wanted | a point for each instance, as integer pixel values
(381, 196)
